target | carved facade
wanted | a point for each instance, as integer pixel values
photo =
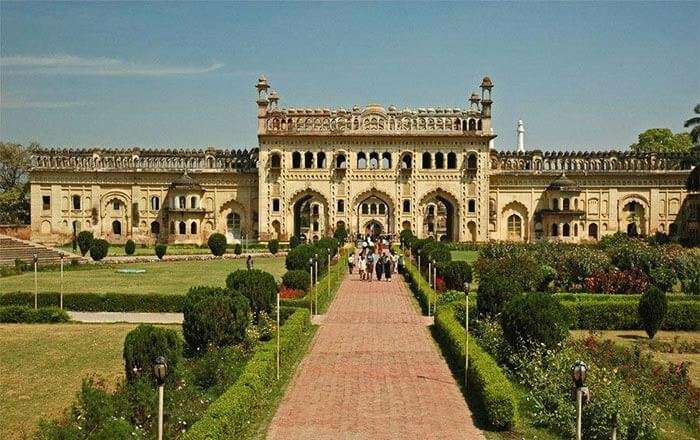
(367, 169)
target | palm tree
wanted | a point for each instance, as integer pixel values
(695, 123)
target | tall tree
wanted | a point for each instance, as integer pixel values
(661, 140)
(14, 185)
(695, 123)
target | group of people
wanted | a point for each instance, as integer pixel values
(371, 262)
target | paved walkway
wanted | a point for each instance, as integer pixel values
(138, 318)
(373, 372)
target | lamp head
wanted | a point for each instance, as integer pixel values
(36, 258)
(160, 369)
(466, 287)
(578, 373)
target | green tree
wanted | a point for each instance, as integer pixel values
(14, 186)
(661, 140)
(695, 123)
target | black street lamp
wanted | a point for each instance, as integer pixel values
(578, 375)
(160, 371)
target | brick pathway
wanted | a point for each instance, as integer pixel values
(373, 372)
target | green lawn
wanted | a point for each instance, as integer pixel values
(43, 365)
(468, 256)
(166, 277)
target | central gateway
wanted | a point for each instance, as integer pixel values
(374, 170)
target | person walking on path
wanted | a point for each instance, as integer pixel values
(388, 266)
(379, 267)
(369, 270)
(351, 263)
(361, 265)
(249, 262)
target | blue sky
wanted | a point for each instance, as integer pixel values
(581, 75)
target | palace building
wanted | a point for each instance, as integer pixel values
(372, 168)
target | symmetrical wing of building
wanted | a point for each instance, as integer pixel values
(369, 168)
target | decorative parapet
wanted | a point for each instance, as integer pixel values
(537, 161)
(136, 159)
(374, 119)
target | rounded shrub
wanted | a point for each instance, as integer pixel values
(238, 249)
(493, 293)
(259, 287)
(145, 343)
(85, 239)
(652, 310)
(341, 234)
(217, 244)
(328, 243)
(294, 241)
(532, 319)
(213, 317)
(273, 246)
(455, 274)
(160, 250)
(130, 247)
(405, 237)
(99, 249)
(663, 277)
(298, 257)
(440, 252)
(297, 280)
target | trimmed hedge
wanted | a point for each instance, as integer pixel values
(419, 286)
(93, 302)
(487, 381)
(622, 314)
(236, 413)
(27, 314)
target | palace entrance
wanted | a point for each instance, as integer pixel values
(373, 216)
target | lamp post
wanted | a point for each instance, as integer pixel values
(316, 282)
(329, 271)
(36, 282)
(430, 283)
(311, 271)
(435, 278)
(61, 284)
(615, 425)
(466, 333)
(160, 371)
(278, 335)
(578, 375)
(418, 260)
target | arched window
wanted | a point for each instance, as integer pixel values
(365, 208)
(431, 210)
(308, 159)
(555, 230)
(193, 228)
(566, 204)
(193, 202)
(566, 230)
(361, 160)
(575, 230)
(478, 124)
(593, 231)
(296, 159)
(471, 206)
(427, 161)
(314, 209)
(555, 204)
(155, 228)
(406, 205)
(76, 202)
(155, 203)
(451, 161)
(315, 226)
(321, 160)
(515, 227)
(382, 208)
(182, 202)
(472, 162)
(275, 161)
(275, 205)
(472, 125)
(341, 162)
(439, 160)
(233, 224)
(182, 228)
(374, 160)
(373, 208)
(406, 161)
(386, 161)
(117, 227)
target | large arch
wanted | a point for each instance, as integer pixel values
(515, 221)
(309, 213)
(444, 218)
(385, 218)
(236, 220)
(633, 215)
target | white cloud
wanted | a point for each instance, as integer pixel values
(75, 65)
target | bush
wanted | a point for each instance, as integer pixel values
(652, 310)
(486, 379)
(238, 249)
(84, 241)
(99, 249)
(664, 278)
(27, 314)
(297, 280)
(217, 244)
(130, 247)
(294, 241)
(160, 250)
(327, 243)
(146, 342)
(493, 293)
(450, 297)
(93, 302)
(455, 274)
(236, 413)
(213, 317)
(259, 287)
(405, 237)
(618, 281)
(216, 369)
(341, 235)
(298, 257)
(273, 246)
(534, 319)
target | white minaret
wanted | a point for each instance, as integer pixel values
(521, 136)
(492, 142)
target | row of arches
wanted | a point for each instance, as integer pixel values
(372, 122)
(375, 160)
(585, 164)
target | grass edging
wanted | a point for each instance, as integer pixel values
(239, 412)
(486, 379)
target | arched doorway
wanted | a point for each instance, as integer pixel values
(309, 215)
(439, 217)
(633, 217)
(373, 228)
(515, 227)
(471, 226)
(373, 216)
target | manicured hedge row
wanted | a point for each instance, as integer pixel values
(236, 413)
(618, 297)
(621, 314)
(419, 285)
(486, 379)
(26, 314)
(92, 302)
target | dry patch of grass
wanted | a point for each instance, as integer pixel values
(42, 366)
